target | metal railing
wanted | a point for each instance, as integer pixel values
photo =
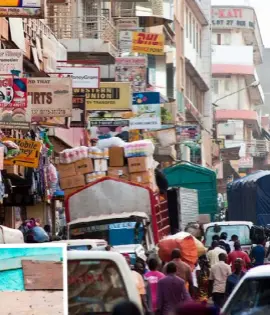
(96, 27)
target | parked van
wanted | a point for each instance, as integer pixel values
(251, 295)
(97, 281)
(10, 236)
(86, 244)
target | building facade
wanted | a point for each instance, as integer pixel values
(237, 95)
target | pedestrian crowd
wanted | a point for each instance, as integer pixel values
(174, 288)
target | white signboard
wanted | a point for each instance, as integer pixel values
(232, 17)
(11, 59)
(82, 77)
(125, 40)
(246, 162)
(188, 206)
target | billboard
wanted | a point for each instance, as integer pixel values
(132, 69)
(50, 97)
(148, 43)
(22, 8)
(82, 77)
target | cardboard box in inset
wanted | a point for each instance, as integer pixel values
(72, 181)
(116, 157)
(139, 164)
(84, 166)
(119, 172)
(66, 170)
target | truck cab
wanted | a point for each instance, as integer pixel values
(97, 281)
(239, 228)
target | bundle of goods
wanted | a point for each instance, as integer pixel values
(189, 246)
(111, 157)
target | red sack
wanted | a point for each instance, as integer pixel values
(187, 247)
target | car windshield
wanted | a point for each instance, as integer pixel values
(242, 231)
(94, 287)
(252, 298)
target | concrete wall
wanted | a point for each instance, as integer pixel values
(263, 73)
(32, 303)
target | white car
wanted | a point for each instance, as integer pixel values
(97, 281)
(252, 294)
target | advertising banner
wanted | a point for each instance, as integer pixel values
(29, 153)
(78, 110)
(132, 69)
(110, 96)
(82, 77)
(125, 40)
(14, 104)
(146, 108)
(22, 8)
(11, 60)
(127, 23)
(148, 43)
(51, 97)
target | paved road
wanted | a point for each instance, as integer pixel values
(32, 303)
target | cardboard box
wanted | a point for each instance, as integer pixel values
(119, 172)
(84, 166)
(72, 182)
(71, 190)
(101, 165)
(143, 177)
(12, 169)
(116, 156)
(139, 164)
(66, 170)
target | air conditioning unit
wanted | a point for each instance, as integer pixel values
(227, 129)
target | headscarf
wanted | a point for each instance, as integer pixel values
(196, 309)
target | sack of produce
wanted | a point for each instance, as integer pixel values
(186, 245)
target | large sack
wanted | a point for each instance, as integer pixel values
(186, 245)
(201, 250)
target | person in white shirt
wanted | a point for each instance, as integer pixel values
(213, 254)
(218, 279)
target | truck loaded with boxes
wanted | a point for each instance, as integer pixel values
(131, 161)
(113, 185)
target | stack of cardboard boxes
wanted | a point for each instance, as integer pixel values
(134, 169)
(138, 169)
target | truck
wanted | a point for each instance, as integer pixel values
(120, 212)
(248, 199)
(183, 207)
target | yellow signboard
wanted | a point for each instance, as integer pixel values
(148, 43)
(29, 155)
(110, 96)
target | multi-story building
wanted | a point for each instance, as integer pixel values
(236, 91)
(197, 76)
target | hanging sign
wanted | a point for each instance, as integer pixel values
(29, 153)
(148, 43)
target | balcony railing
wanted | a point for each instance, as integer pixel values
(95, 27)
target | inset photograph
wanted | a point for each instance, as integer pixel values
(32, 279)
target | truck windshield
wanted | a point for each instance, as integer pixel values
(242, 231)
(252, 298)
(116, 233)
(94, 287)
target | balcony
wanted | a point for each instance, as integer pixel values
(250, 117)
(237, 60)
(87, 37)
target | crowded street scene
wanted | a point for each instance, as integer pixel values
(134, 157)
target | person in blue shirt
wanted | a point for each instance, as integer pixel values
(258, 254)
(235, 277)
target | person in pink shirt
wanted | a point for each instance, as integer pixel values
(153, 276)
(238, 253)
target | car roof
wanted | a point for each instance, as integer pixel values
(258, 272)
(224, 223)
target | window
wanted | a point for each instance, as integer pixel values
(197, 38)
(227, 38)
(187, 23)
(242, 231)
(218, 39)
(200, 43)
(227, 85)
(94, 286)
(190, 28)
(194, 32)
(251, 298)
(216, 86)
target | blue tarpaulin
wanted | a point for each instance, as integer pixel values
(249, 198)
